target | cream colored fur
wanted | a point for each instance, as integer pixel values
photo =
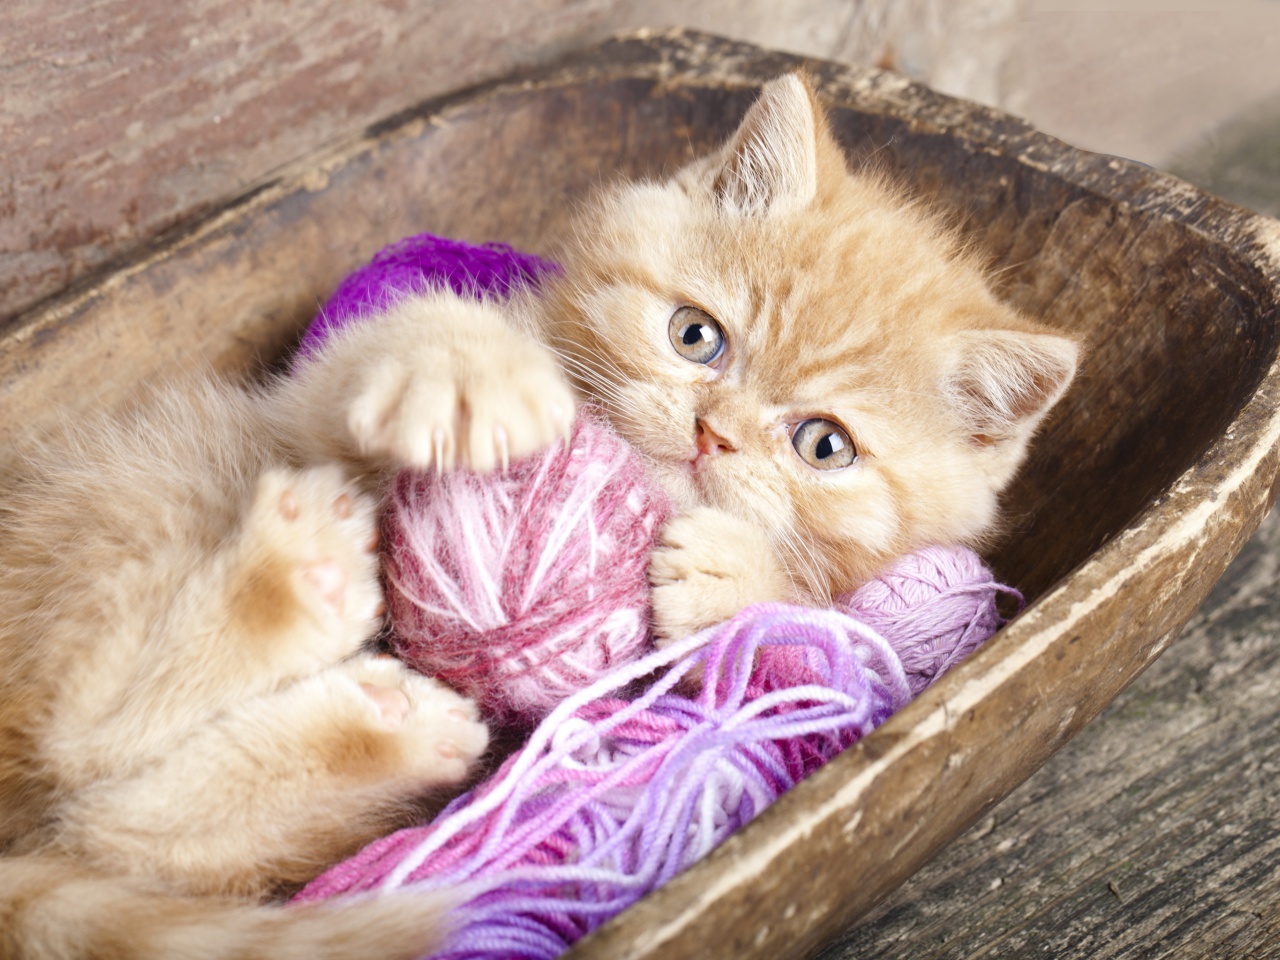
(190, 721)
(186, 709)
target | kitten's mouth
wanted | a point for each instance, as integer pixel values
(696, 466)
(700, 470)
(678, 476)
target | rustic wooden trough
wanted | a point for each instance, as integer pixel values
(1151, 476)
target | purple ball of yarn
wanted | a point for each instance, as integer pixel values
(419, 263)
(934, 606)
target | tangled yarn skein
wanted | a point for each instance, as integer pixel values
(611, 797)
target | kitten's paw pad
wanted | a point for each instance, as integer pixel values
(440, 732)
(306, 562)
(392, 703)
(708, 566)
(329, 581)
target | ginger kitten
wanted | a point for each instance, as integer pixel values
(189, 719)
(815, 368)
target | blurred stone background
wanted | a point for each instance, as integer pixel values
(1155, 833)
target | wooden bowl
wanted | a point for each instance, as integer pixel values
(1151, 476)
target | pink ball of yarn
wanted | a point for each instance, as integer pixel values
(519, 589)
(934, 606)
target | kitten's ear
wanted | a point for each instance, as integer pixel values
(1002, 382)
(770, 164)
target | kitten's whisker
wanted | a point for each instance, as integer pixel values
(592, 374)
(598, 383)
(601, 366)
(805, 560)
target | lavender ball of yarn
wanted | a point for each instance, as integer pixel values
(934, 606)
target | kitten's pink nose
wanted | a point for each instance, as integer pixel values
(710, 443)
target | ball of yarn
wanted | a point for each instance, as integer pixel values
(521, 588)
(934, 606)
(422, 262)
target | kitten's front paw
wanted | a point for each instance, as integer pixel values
(708, 566)
(439, 732)
(305, 585)
(478, 393)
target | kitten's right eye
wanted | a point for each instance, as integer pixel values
(695, 335)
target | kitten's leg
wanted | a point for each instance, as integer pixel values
(301, 589)
(278, 788)
(435, 381)
(293, 590)
(708, 566)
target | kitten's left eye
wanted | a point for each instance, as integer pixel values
(695, 335)
(824, 444)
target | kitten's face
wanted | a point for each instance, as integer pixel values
(792, 344)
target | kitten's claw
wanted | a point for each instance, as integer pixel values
(504, 452)
(439, 444)
(477, 392)
(563, 424)
(708, 566)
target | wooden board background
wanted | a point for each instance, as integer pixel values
(1151, 835)
(119, 118)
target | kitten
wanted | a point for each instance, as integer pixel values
(189, 719)
(815, 367)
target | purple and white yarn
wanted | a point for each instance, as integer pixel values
(612, 797)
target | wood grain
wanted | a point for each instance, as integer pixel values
(1152, 835)
(121, 118)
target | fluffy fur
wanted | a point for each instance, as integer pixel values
(189, 719)
(184, 705)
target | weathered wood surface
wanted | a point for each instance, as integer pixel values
(120, 118)
(1154, 834)
(1149, 480)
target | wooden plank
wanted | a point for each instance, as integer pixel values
(121, 118)
(1152, 835)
